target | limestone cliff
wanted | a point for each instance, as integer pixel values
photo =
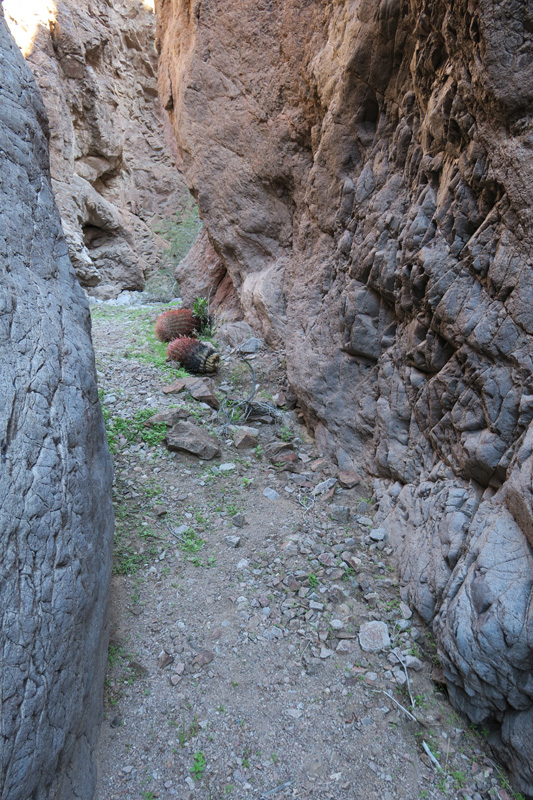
(365, 171)
(56, 517)
(113, 157)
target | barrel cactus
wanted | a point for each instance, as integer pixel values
(175, 323)
(195, 356)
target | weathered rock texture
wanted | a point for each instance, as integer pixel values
(365, 170)
(113, 158)
(202, 273)
(56, 518)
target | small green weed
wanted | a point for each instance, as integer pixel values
(286, 434)
(199, 764)
(313, 580)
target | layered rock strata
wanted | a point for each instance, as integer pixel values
(56, 517)
(365, 171)
(113, 158)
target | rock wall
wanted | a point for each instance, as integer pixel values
(365, 170)
(113, 157)
(56, 517)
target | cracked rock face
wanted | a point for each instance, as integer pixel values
(365, 171)
(113, 158)
(56, 517)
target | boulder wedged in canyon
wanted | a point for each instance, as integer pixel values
(56, 516)
(365, 171)
(113, 158)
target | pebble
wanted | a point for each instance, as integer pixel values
(232, 541)
(337, 624)
(243, 563)
(271, 494)
(226, 467)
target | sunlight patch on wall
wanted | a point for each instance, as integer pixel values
(24, 17)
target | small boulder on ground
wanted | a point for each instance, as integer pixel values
(190, 438)
(374, 636)
(244, 437)
(170, 417)
(348, 479)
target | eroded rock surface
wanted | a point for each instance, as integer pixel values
(365, 171)
(113, 159)
(56, 516)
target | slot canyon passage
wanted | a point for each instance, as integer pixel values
(330, 597)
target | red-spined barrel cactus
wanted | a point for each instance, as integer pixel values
(195, 356)
(175, 323)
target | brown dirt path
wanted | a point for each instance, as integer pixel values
(237, 671)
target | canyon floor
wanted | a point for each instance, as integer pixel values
(241, 662)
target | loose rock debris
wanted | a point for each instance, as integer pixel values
(282, 662)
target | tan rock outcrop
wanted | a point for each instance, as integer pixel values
(364, 170)
(113, 157)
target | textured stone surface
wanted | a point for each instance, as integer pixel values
(374, 636)
(365, 171)
(113, 159)
(202, 273)
(56, 518)
(192, 439)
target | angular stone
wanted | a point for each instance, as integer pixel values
(251, 345)
(378, 534)
(271, 494)
(203, 658)
(348, 479)
(201, 389)
(285, 460)
(345, 647)
(325, 486)
(174, 388)
(339, 513)
(232, 541)
(171, 416)
(374, 636)
(273, 448)
(405, 610)
(190, 438)
(244, 437)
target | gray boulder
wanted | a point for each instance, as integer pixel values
(56, 518)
